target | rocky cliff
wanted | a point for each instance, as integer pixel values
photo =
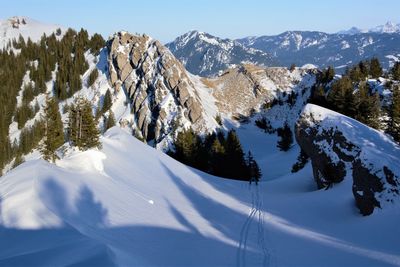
(164, 97)
(342, 148)
(160, 91)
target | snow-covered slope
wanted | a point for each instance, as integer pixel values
(207, 55)
(13, 27)
(130, 204)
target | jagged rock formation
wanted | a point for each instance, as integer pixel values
(164, 96)
(161, 92)
(342, 148)
(240, 91)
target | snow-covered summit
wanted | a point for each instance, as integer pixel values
(15, 26)
(388, 27)
(206, 55)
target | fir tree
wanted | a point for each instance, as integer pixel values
(92, 77)
(110, 122)
(254, 172)
(82, 129)
(395, 71)
(235, 162)
(368, 111)
(394, 123)
(107, 102)
(217, 161)
(54, 133)
(302, 159)
(337, 95)
(375, 69)
(286, 141)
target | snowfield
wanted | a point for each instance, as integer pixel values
(129, 204)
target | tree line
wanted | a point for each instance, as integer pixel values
(353, 96)
(38, 61)
(215, 153)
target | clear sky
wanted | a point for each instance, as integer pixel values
(165, 20)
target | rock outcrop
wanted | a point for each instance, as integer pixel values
(160, 91)
(342, 148)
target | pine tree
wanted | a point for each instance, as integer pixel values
(254, 172)
(107, 102)
(92, 77)
(369, 110)
(338, 92)
(302, 159)
(286, 141)
(235, 166)
(396, 71)
(83, 131)
(54, 132)
(110, 122)
(394, 123)
(375, 69)
(217, 161)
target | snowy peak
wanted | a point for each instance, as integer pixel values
(15, 26)
(389, 27)
(207, 55)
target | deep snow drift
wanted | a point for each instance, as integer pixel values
(131, 204)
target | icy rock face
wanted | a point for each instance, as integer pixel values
(157, 84)
(341, 148)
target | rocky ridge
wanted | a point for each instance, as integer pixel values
(342, 148)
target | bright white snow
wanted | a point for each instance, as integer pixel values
(130, 204)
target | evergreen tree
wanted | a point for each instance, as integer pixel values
(217, 161)
(396, 71)
(235, 163)
(337, 95)
(363, 69)
(302, 159)
(82, 129)
(185, 146)
(254, 172)
(369, 107)
(92, 77)
(110, 122)
(54, 132)
(394, 123)
(375, 69)
(286, 141)
(107, 102)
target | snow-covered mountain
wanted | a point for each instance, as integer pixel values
(164, 96)
(13, 27)
(207, 55)
(388, 27)
(203, 54)
(129, 204)
(322, 49)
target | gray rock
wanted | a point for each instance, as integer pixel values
(335, 157)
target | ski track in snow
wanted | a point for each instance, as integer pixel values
(257, 214)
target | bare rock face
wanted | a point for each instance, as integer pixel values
(158, 86)
(342, 148)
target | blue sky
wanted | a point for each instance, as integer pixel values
(165, 20)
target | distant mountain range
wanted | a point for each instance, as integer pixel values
(204, 54)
